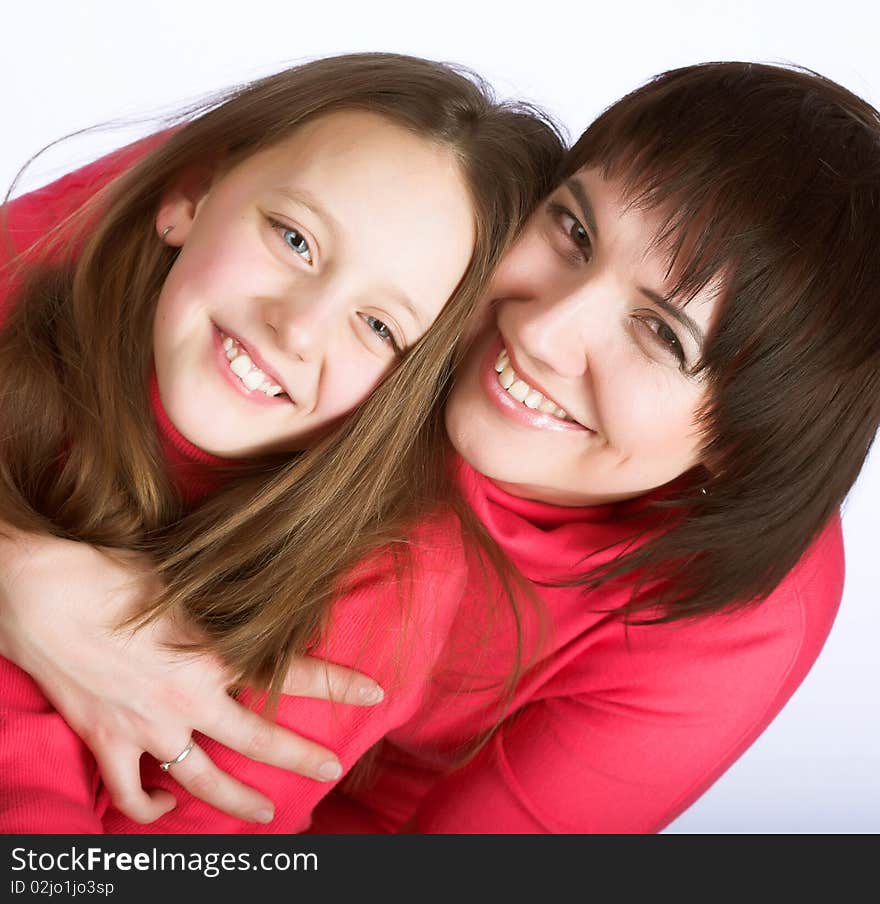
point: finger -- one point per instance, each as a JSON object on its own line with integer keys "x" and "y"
{"x": 204, "y": 780}
{"x": 241, "y": 729}
{"x": 310, "y": 677}
{"x": 121, "y": 774}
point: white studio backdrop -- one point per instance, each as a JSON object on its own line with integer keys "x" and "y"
{"x": 68, "y": 66}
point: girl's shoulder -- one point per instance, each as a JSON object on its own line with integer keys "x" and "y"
{"x": 29, "y": 216}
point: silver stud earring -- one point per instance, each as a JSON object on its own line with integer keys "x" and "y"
{"x": 165, "y": 232}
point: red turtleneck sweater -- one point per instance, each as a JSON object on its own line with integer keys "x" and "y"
{"x": 610, "y": 730}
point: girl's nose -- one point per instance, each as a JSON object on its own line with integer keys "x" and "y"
{"x": 303, "y": 330}
{"x": 300, "y": 327}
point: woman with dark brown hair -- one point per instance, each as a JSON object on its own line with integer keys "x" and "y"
{"x": 672, "y": 391}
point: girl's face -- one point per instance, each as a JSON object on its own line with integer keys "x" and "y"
{"x": 579, "y": 391}
{"x": 305, "y": 272}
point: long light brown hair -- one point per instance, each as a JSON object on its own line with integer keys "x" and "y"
{"x": 256, "y": 565}
{"x": 770, "y": 177}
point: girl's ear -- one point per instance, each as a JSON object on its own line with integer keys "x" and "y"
{"x": 180, "y": 204}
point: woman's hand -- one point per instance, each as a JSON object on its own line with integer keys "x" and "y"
{"x": 124, "y": 693}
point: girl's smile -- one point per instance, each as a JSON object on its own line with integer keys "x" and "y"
{"x": 305, "y": 273}
{"x": 239, "y": 364}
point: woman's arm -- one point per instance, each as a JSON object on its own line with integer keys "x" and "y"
{"x": 393, "y": 630}
{"x": 126, "y": 693}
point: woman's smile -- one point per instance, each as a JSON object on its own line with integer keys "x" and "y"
{"x": 517, "y": 398}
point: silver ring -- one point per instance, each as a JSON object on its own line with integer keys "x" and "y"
{"x": 165, "y": 231}
{"x": 179, "y": 758}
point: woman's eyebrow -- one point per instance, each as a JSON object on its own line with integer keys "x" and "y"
{"x": 676, "y": 312}
{"x": 580, "y": 195}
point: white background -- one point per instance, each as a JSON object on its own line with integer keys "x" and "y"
{"x": 65, "y": 66}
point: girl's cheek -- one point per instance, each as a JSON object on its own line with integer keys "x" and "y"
{"x": 356, "y": 378}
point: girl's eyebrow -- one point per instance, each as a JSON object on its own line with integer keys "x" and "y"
{"x": 580, "y": 195}
{"x": 307, "y": 200}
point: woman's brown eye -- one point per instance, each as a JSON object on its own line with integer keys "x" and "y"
{"x": 579, "y": 234}
{"x": 667, "y": 336}
{"x": 575, "y": 229}
{"x": 568, "y": 229}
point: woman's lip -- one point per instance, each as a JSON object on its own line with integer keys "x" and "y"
{"x": 510, "y": 407}
{"x": 254, "y": 395}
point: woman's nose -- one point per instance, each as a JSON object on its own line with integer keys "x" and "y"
{"x": 551, "y": 331}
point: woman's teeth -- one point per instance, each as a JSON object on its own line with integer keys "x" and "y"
{"x": 245, "y": 369}
{"x": 522, "y": 392}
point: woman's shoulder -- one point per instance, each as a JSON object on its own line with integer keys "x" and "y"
{"x": 767, "y": 643}
{"x": 811, "y": 592}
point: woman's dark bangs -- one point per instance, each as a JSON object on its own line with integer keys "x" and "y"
{"x": 702, "y": 227}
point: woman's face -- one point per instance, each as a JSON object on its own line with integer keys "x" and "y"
{"x": 304, "y": 273}
{"x": 579, "y": 392}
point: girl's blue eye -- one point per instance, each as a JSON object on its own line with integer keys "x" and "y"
{"x": 382, "y": 330}
{"x": 298, "y": 243}
{"x": 295, "y": 240}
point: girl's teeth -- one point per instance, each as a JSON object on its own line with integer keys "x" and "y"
{"x": 254, "y": 379}
{"x": 242, "y": 366}
{"x": 519, "y": 390}
{"x": 270, "y": 388}
{"x": 522, "y": 392}
{"x": 533, "y": 399}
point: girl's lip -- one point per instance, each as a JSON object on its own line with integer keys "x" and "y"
{"x": 510, "y": 407}
{"x": 254, "y": 395}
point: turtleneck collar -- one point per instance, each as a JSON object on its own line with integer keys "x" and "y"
{"x": 193, "y": 471}
{"x": 551, "y": 542}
